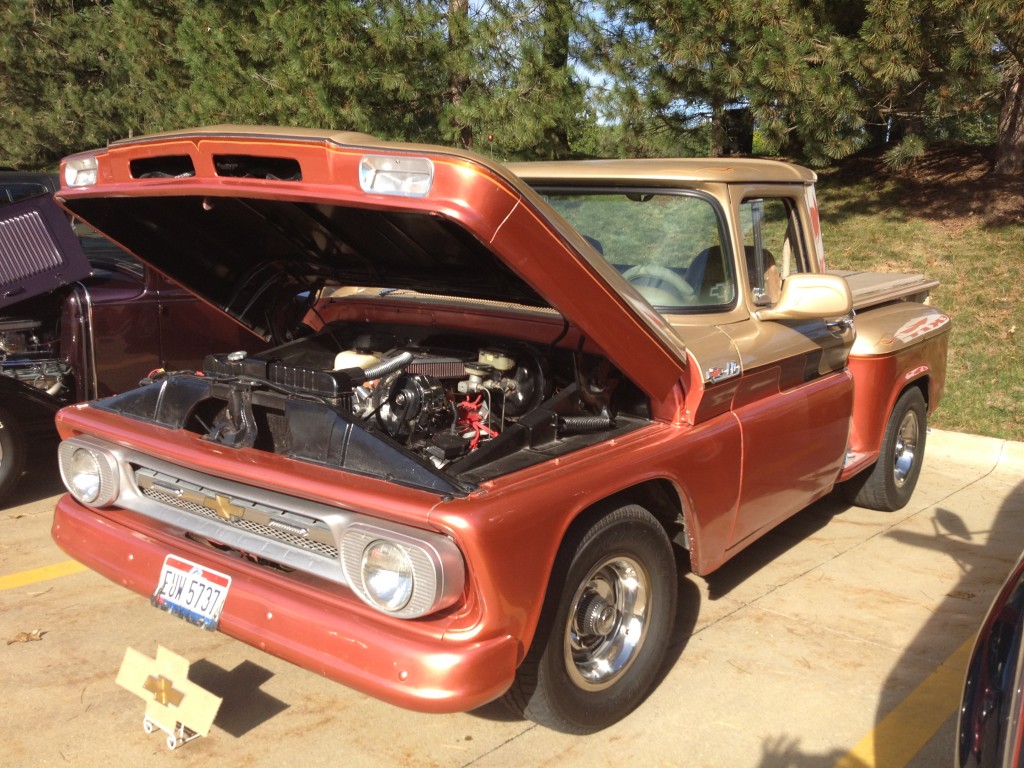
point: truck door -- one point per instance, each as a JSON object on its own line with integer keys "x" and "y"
{"x": 795, "y": 397}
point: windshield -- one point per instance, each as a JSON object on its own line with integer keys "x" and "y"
{"x": 668, "y": 245}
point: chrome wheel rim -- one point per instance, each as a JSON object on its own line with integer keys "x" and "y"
{"x": 906, "y": 448}
{"x": 607, "y": 623}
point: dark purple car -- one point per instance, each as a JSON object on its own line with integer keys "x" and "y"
{"x": 80, "y": 318}
{"x": 991, "y": 724}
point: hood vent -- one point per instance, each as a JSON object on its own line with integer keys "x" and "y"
{"x": 38, "y": 250}
{"x": 253, "y": 167}
{"x": 163, "y": 167}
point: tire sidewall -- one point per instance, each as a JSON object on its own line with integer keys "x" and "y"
{"x": 12, "y": 457}
{"x": 910, "y": 401}
{"x": 632, "y": 532}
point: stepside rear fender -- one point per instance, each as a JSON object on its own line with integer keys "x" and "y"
{"x": 898, "y": 346}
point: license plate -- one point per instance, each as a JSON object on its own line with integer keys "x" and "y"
{"x": 192, "y": 591}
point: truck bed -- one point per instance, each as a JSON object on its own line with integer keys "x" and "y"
{"x": 873, "y": 288}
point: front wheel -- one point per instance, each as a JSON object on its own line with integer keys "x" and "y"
{"x": 605, "y": 629}
{"x": 888, "y": 485}
{"x": 12, "y": 453}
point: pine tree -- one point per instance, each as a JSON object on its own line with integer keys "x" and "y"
{"x": 993, "y": 33}
{"x": 702, "y": 62}
{"x": 54, "y": 66}
{"x": 522, "y": 93}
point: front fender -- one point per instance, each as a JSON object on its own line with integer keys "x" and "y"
{"x": 33, "y": 409}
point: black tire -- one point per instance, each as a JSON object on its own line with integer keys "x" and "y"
{"x": 620, "y": 568}
{"x": 12, "y": 454}
{"x": 888, "y": 485}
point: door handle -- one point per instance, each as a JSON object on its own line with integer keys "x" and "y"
{"x": 840, "y": 324}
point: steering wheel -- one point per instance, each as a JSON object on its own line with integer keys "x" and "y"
{"x": 660, "y": 282}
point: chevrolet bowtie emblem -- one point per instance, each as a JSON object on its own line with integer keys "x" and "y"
{"x": 222, "y": 507}
{"x": 163, "y": 690}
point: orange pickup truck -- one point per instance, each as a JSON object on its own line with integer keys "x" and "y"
{"x": 504, "y": 407}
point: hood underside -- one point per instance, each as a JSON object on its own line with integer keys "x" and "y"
{"x": 250, "y": 255}
{"x": 257, "y": 221}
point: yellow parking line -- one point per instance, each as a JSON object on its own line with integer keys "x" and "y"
{"x": 904, "y": 732}
{"x": 45, "y": 573}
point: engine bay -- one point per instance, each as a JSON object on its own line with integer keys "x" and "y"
{"x": 29, "y": 353}
{"x": 420, "y": 406}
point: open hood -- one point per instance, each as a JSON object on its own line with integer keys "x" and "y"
{"x": 39, "y": 250}
{"x": 248, "y": 254}
{"x": 251, "y": 218}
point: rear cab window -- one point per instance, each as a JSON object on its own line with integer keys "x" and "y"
{"x": 11, "y": 192}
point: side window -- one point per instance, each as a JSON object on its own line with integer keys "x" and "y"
{"x": 771, "y": 246}
{"x": 12, "y": 192}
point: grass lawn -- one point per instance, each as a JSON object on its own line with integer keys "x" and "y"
{"x": 948, "y": 219}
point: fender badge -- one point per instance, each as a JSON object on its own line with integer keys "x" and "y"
{"x": 715, "y": 375}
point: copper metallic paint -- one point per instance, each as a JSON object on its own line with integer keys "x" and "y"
{"x": 880, "y": 383}
{"x": 736, "y": 457}
{"x": 331, "y": 635}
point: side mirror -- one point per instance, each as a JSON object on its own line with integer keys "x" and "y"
{"x": 807, "y": 296}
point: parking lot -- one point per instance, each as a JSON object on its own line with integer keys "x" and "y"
{"x": 838, "y": 640}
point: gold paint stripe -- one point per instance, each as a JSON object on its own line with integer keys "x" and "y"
{"x": 910, "y": 726}
{"x": 45, "y": 573}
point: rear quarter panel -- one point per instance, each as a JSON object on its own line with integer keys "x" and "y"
{"x": 898, "y": 346}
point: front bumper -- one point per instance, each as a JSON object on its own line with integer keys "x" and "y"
{"x": 389, "y": 660}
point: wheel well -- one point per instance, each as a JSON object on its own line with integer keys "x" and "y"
{"x": 659, "y": 497}
{"x": 924, "y": 384}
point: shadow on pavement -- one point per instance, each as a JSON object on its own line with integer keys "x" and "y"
{"x": 244, "y": 705}
{"x": 774, "y": 544}
{"x": 968, "y": 549}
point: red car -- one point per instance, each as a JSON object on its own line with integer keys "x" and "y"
{"x": 509, "y": 391}
{"x": 990, "y": 732}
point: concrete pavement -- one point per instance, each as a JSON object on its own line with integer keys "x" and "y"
{"x": 831, "y": 642}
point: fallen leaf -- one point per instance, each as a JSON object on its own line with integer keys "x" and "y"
{"x": 960, "y": 594}
{"x": 26, "y": 637}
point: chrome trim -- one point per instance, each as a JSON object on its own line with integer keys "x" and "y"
{"x": 106, "y": 464}
{"x": 438, "y": 572}
{"x": 90, "y": 377}
{"x": 269, "y": 522}
{"x": 298, "y": 534}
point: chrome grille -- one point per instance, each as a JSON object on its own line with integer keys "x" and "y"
{"x": 326, "y": 550}
{"x": 251, "y": 517}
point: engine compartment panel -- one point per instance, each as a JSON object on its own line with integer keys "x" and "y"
{"x": 425, "y": 407}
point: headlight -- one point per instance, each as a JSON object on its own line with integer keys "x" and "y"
{"x": 84, "y": 475}
{"x": 81, "y": 171}
{"x": 387, "y": 575}
{"x": 402, "y": 571}
{"x": 88, "y": 472}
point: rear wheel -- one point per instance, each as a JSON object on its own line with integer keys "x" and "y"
{"x": 606, "y": 626}
{"x": 12, "y": 454}
{"x": 888, "y": 485}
